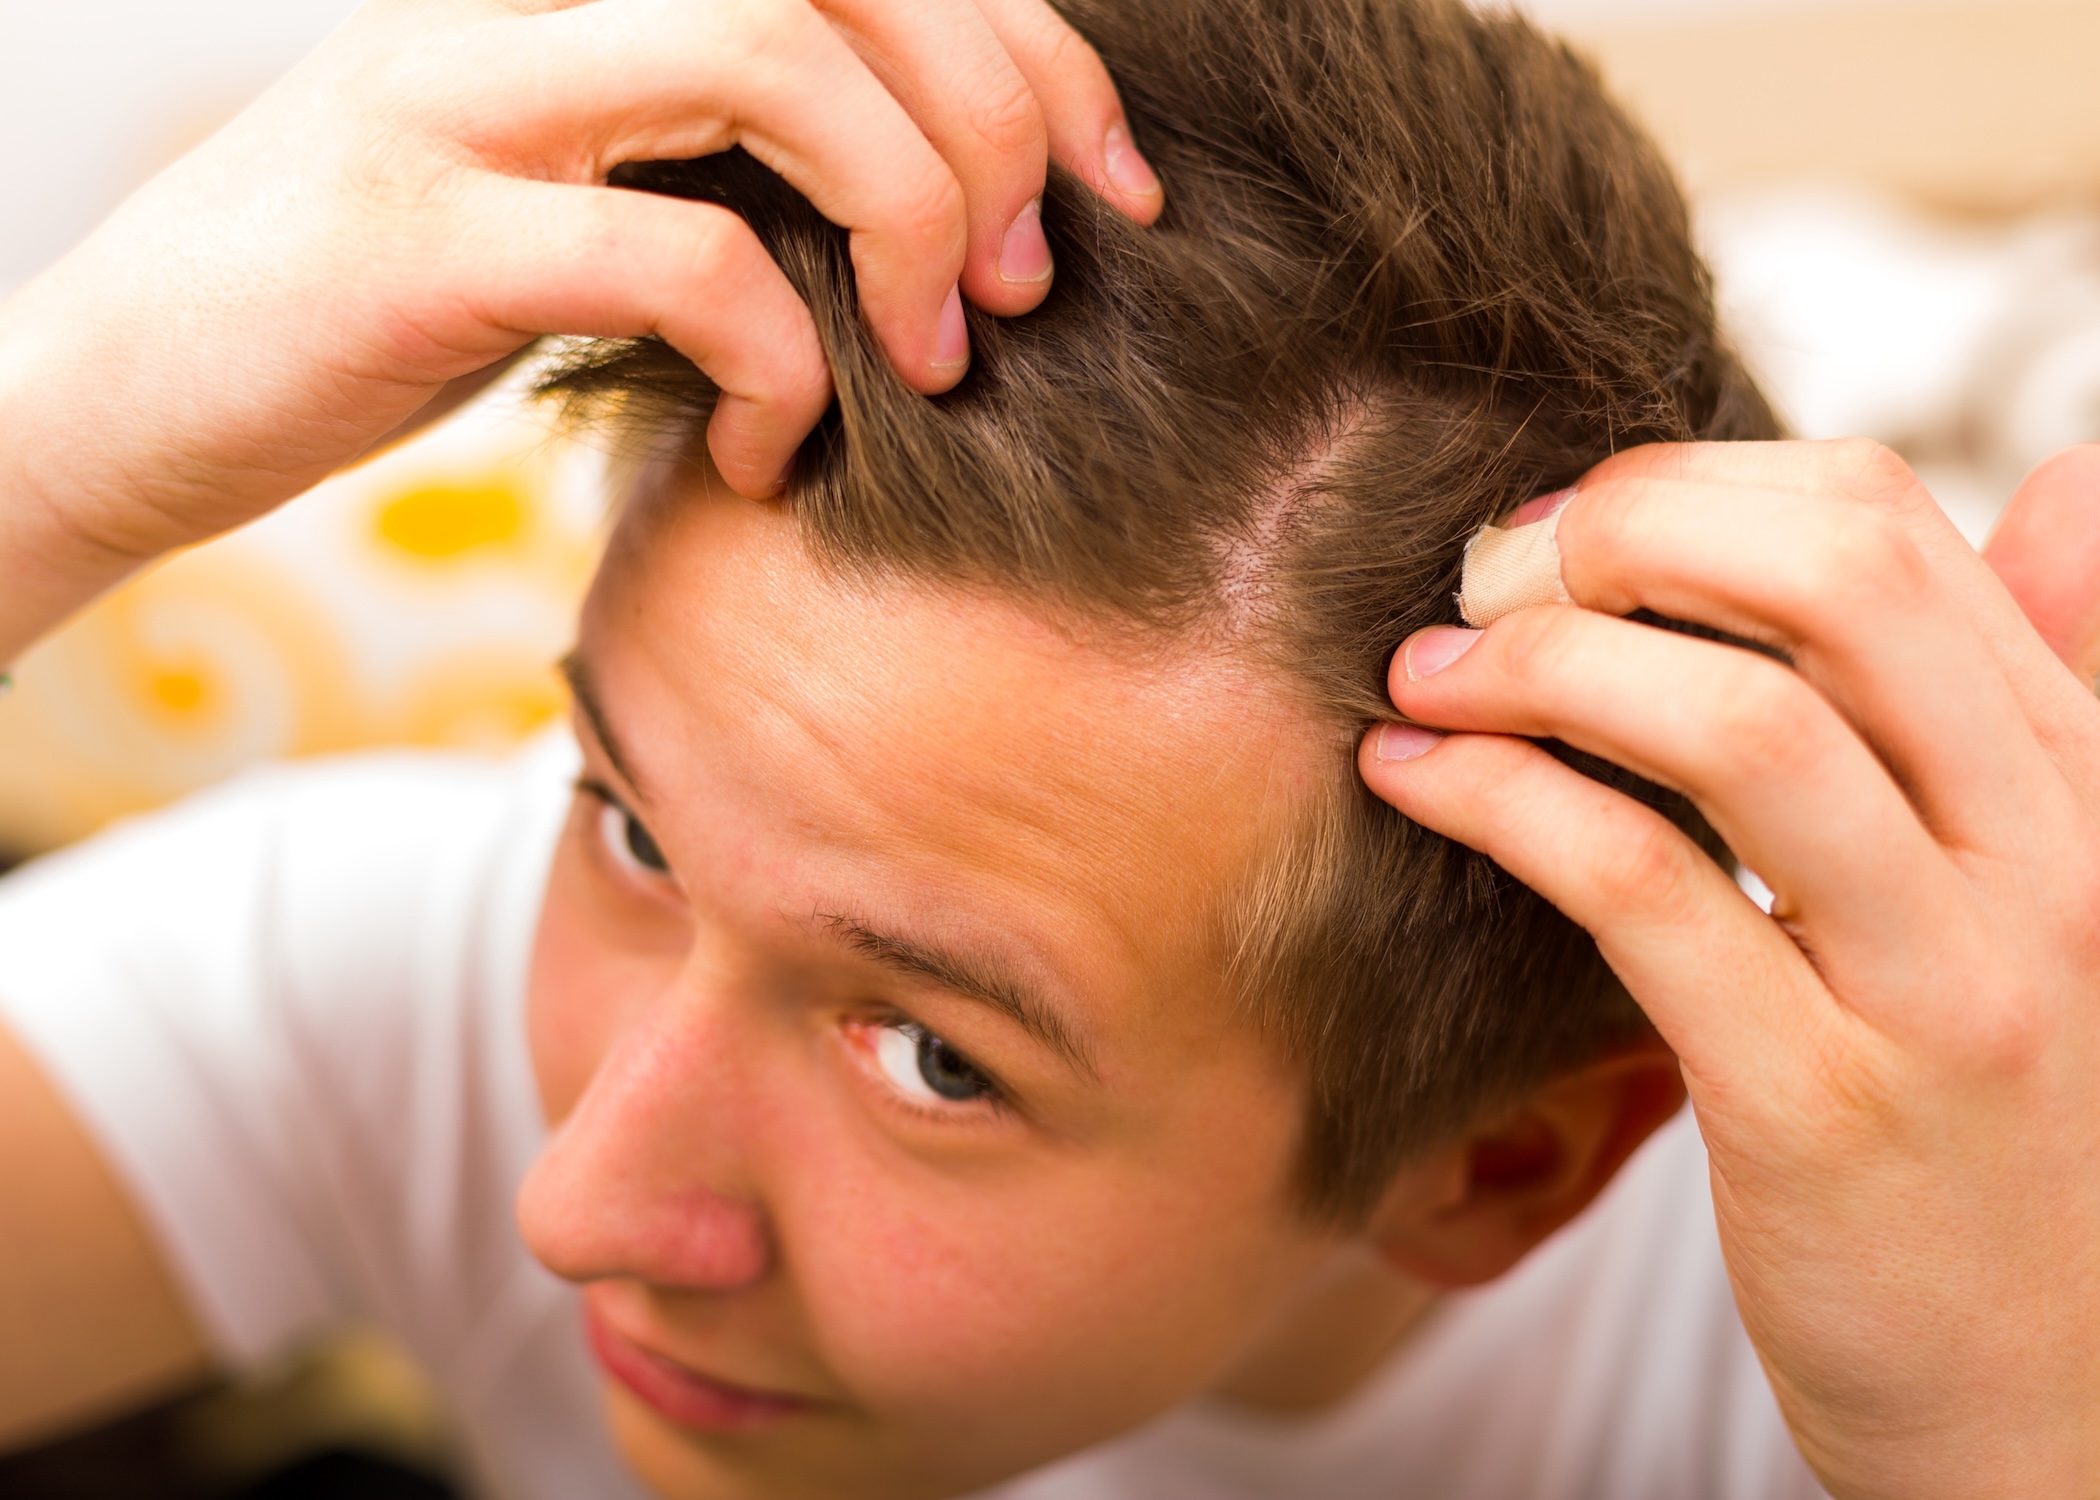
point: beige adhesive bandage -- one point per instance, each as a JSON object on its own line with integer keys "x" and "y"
{"x": 1508, "y": 569}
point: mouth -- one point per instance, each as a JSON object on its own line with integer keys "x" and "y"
{"x": 683, "y": 1396}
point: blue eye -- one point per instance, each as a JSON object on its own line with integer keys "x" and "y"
{"x": 642, "y": 845}
{"x": 623, "y": 835}
{"x": 923, "y": 1066}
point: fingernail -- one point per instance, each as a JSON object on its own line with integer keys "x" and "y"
{"x": 952, "y": 351}
{"x": 1428, "y": 652}
{"x": 1405, "y": 742}
{"x": 1541, "y": 508}
{"x": 1127, "y": 171}
{"x": 1024, "y": 255}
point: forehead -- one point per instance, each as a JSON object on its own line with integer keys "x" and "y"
{"x": 950, "y": 756}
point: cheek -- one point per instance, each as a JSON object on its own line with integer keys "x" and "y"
{"x": 1043, "y": 1314}
{"x": 592, "y": 970}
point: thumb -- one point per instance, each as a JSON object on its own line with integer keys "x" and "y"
{"x": 2046, "y": 550}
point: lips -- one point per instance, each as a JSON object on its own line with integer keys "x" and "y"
{"x": 685, "y": 1396}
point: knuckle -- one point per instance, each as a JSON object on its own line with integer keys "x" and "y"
{"x": 1006, "y": 117}
{"x": 2007, "y": 1033}
{"x": 1645, "y": 873}
{"x": 746, "y": 38}
{"x": 1854, "y": 1085}
{"x": 415, "y": 82}
{"x": 929, "y": 207}
{"x": 1070, "y": 68}
{"x": 1766, "y": 725}
{"x": 1864, "y": 557}
{"x": 1870, "y": 471}
{"x": 668, "y": 251}
{"x": 1535, "y": 645}
{"x": 715, "y": 244}
{"x": 1064, "y": 54}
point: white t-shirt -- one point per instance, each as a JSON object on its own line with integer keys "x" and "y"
{"x": 292, "y": 1012}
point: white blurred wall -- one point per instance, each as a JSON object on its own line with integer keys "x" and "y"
{"x": 96, "y": 94}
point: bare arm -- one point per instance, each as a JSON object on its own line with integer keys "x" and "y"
{"x": 426, "y": 194}
{"x": 94, "y": 1322}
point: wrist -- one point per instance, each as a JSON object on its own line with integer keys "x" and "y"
{"x": 2014, "y": 1454}
{"x": 54, "y": 556}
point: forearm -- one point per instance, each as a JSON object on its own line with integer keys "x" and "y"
{"x": 77, "y": 507}
{"x": 93, "y": 1321}
{"x": 136, "y": 417}
{"x": 49, "y": 565}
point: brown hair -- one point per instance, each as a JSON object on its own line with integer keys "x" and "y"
{"x": 1414, "y": 269}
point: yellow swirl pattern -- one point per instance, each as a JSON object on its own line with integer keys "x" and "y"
{"x": 419, "y": 599}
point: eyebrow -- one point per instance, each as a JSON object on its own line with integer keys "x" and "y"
{"x": 583, "y": 687}
{"x": 972, "y": 979}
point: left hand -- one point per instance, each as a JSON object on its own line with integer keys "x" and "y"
{"x": 1897, "y": 1073}
{"x": 428, "y": 192}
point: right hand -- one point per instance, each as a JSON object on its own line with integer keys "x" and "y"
{"x": 1897, "y": 1071}
{"x": 425, "y": 194}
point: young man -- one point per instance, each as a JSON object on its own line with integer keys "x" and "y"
{"x": 969, "y": 1005}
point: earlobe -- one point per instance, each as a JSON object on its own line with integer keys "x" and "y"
{"x": 1470, "y": 1211}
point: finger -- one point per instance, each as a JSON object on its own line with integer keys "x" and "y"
{"x": 553, "y": 258}
{"x": 447, "y": 399}
{"x": 1089, "y": 133}
{"x": 640, "y": 79}
{"x": 1845, "y": 592}
{"x": 954, "y": 77}
{"x": 1686, "y": 942}
{"x": 1783, "y": 779}
{"x": 1866, "y": 475}
{"x": 2046, "y": 548}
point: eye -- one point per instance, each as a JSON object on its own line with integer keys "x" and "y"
{"x": 628, "y": 841}
{"x": 926, "y": 1068}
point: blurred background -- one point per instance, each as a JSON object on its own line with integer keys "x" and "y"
{"x": 1900, "y": 199}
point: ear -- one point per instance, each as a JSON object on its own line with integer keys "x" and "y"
{"x": 1473, "y": 1209}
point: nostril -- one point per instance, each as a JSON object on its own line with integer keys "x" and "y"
{"x": 588, "y": 1225}
{"x": 703, "y": 1241}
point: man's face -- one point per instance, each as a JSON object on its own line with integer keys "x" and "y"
{"x": 906, "y": 1134}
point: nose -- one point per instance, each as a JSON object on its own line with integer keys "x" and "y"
{"x": 640, "y": 1180}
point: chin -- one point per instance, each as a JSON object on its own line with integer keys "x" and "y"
{"x": 798, "y": 1463}
{"x": 678, "y": 1464}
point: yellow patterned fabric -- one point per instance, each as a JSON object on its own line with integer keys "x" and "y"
{"x": 420, "y": 599}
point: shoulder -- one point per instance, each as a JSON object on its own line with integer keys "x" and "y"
{"x": 324, "y": 931}
{"x": 355, "y": 854}
{"x": 290, "y": 1010}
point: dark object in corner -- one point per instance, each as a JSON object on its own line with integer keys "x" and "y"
{"x": 347, "y": 1421}
{"x": 348, "y": 1476}
{"x": 144, "y": 1458}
